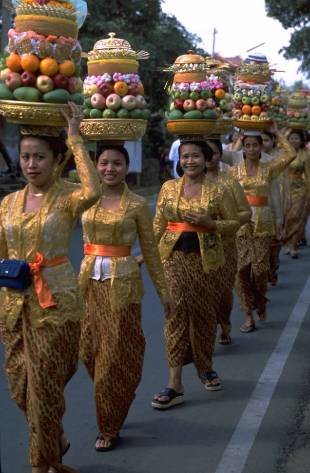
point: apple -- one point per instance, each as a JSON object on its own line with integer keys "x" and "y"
{"x": 223, "y": 104}
{"x": 205, "y": 94}
{"x": 255, "y": 100}
{"x": 194, "y": 95}
{"x": 109, "y": 113}
{"x": 210, "y": 103}
{"x": 98, "y": 101}
{"x": 129, "y": 102}
{"x": 133, "y": 89}
{"x": 44, "y": 84}
{"x": 13, "y": 80}
{"x": 75, "y": 84}
{"x": 60, "y": 82}
{"x": 237, "y": 113}
{"x": 122, "y": 113}
{"x": 265, "y": 98}
{"x": 141, "y": 102}
{"x": 95, "y": 113}
{"x": 86, "y": 113}
{"x": 178, "y": 104}
{"x": 265, "y": 106}
{"x": 87, "y": 102}
{"x": 113, "y": 101}
{"x": 184, "y": 94}
{"x": 105, "y": 88}
{"x": 188, "y": 105}
{"x": 90, "y": 90}
{"x": 28, "y": 79}
{"x": 246, "y": 100}
{"x": 237, "y": 97}
{"x": 201, "y": 104}
{"x": 263, "y": 116}
{"x": 4, "y": 73}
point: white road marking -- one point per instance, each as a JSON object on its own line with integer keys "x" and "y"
{"x": 243, "y": 438}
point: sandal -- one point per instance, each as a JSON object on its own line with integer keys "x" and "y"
{"x": 112, "y": 443}
{"x": 261, "y": 316}
{"x": 65, "y": 450}
{"x": 224, "y": 339}
{"x": 212, "y": 381}
{"x": 174, "y": 398}
{"x": 247, "y": 328}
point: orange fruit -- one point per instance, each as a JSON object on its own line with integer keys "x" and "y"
{"x": 67, "y": 68}
{"x": 219, "y": 93}
{"x": 49, "y": 67}
{"x": 246, "y": 109}
{"x": 30, "y": 63}
{"x": 256, "y": 110}
{"x": 13, "y": 62}
{"x": 120, "y": 88}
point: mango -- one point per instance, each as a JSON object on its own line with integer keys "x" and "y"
{"x": 77, "y": 98}
{"x": 175, "y": 115}
{"x": 193, "y": 115}
{"x": 5, "y": 93}
{"x": 27, "y": 94}
{"x": 57, "y": 96}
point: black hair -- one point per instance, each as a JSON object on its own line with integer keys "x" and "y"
{"x": 272, "y": 136}
{"x": 56, "y": 144}
{"x": 121, "y": 149}
{"x": 204, "y": 147}
{"x": 301, "y": 135}
{"x": 258, "y": 137}
{"x": 218, "y": 144}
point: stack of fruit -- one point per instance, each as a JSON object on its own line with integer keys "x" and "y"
{"x": 43, "y": 66}
{"x": 252, "y": 97}
{"x": 298, "y": 110}
{"x": 278, "y": 109}
{"x": 113, "y": 91}
{"x": 199, "y": 99}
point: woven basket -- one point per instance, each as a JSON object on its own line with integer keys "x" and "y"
{"x": 33, "y": 113}
{"x": 46, "y": 25}
{"x": 298, "y": 125}
{"x": 199, "y": 127}
{"x": 113, "y": 129}
{"x": 100, "y": 67}
{"x": 253, "y": 125}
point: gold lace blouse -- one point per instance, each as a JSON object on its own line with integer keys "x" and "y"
{"x": 171, "y": 206}
{"x": 122, "y": 227}
{"x": 48, "y": 231}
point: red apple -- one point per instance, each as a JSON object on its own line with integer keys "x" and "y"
{"x": 141, "y": 102}
{"x": 129, "y": 102}
{"x": 28, "y": 79}
{"x": 98, "y": 101}
{"x": 4, "y": 73}
{"x": 60, "y": 82}
{"x": 133, "y": 89}
{"x": 75, "y": 84}
{"x": 178, "y": 104}
{"x": 201, "y": 104}
{"x": 188, "y": 105}
{"x": 105, "y": 88}
{"x": 44, "y": 84}
{"x": 210, "y": 103}
{"x": 13, "y": 80}
{"x": 113, "y": 101}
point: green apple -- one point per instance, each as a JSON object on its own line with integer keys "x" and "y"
{"x": 184, "y": 95}
{"x": 86, "y": 113}
{"x": 223, "y": 104}
{"x": 87, "y": 103}
{"x": 95, "y": 113}
{"x": 108, "y": 113}
{"x": 205, "y": 94}
{"x": 122, "y": 113}
{"x": 194, "y": 95}
{"x": 265, "y": 98}
{"x": 136, "y": 113}
{"x": 237, "y": 97}
{"x": 255, "y": 100}
{"x": 246, "y": 100}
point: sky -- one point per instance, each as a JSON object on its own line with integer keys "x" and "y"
{"x": 240, "y": 25}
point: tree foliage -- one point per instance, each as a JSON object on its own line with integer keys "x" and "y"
{"x": 294, "y": 14}
{"x": 146, "y": 27}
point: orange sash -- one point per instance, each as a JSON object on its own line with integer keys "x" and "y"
{"x": 107, "y": 250}
{"x": 179, "y": 227}
{"x": 257, "y": 200}
{"x": 296, "y": 176}
{"x": 43, "y": 292}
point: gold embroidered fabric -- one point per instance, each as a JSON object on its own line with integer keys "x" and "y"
{"x": 259, "y": 185}
{"x": 300, "y": 167}
{"x": 171, "y": 206}
{"x": 122, "y": 227}
{"x": 237, "y": 197}
{"x": 49, "y": 231}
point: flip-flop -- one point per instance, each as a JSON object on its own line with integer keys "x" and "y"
{"x": 212, "y": 381}
{"x": 224, "y": 340}
{"x": 174, "y": 399}
{"x": 247, "y": 328}
{"x": 113, "y": 443}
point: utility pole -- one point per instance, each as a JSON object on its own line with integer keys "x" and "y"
{"x": 213, "y": 43}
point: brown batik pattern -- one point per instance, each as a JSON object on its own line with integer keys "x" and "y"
{"x": 193, "y": 322}
{"x": 253, "y": 269}
{"x": 39, "y": 362}
{"x": 112, "y": 349}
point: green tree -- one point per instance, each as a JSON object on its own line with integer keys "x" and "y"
{"x": 294, "y": 14}
{"x": 147, "y": 27}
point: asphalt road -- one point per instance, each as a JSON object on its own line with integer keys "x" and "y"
{"x": 259, "y": 422}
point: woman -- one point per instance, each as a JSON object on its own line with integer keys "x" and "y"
{"x": 112, "y": 341}
{"x": 253, "y": 239}
{"x": 299, "y": 185}
{"x": 40, "y": 327}
{"x": 191, "y": 216}
{"x": 217, "y": 171}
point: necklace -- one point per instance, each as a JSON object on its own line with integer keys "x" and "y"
{"x": 39, "y": 194}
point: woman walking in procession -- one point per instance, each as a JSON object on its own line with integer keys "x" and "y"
{"x": 40, "y": 326}
{"x": 191, "y": 216}
{"x": 112, "y": 341}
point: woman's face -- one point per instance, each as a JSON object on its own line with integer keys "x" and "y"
{"x": 295, "y": 140}
{"x": 267, "y": 142}
{"x": 192, "y": 160}
{"x": 252, "y": 148}
{"x": 37, "y": 161}
{"x": 213, "y": 164}
{"x": 112, "y": 167}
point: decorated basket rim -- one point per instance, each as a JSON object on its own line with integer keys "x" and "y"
{"x": 123, "y": 129}
{"x": 33, "y": 113}
{"x": 199, "y": 126}
{"x": 252, "y": 124}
